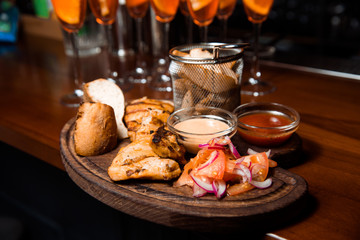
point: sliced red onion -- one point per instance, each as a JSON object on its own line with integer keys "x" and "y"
{"x": 211, "y": 159}
{"x": 198, "y": 191}
{"x": 219, "y": 187}
{"x": 239, "y": 160}
{"x": 213, "y": 141}
{"x": 241, "y": 173}
{"x": 233, "y": 150}
{"x": 222, "y": 141}
{"x": 252, "y": 152}
{"x": 220, "y": 144}
{"x": 203, "y": 183}
{"x": 265, "y": 184}
{"x": 247, "y": 177}
{"x": 268, "y": 153}
{"x": 203, "y": 145}
{"x": 216, "y": 147}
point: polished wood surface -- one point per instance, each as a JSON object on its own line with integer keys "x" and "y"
{"x": 34, "y": 74}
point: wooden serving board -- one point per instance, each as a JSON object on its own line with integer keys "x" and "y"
{"x": 161, "y": 203}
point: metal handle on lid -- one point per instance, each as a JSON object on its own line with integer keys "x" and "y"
{"x": 227, "y": 46}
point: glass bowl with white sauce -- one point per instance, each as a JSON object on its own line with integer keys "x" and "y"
{"x": 198, "y": 125}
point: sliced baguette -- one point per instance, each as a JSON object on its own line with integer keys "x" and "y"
{"x": 95, "y": 129}
{"x": 107, "y": 92}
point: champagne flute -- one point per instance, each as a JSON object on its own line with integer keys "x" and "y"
{"x": 165, "y": 11}
{"x": 105, "y": 14}
{"x": 189, "y": 23}
{"x": 225, "y": 10}
{"x": 203, "y": 13}
{"x": 137, "y": 10}
{"x": 257, "y": 12}
{"x": 71, "y": 15}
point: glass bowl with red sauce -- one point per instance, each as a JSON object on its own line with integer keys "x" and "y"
{"x": 266, "y": 124}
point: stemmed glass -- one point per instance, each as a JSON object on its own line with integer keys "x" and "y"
{"x": 105, "y": 14}
{"x": 137, "y": 10}
{"x": 165, "y": 11}
{"x": 257, "y": 12}
{"x": 225, "y": 10}
{"x": 189, "y": 23}
{"x": 71, "y": 15}
{"x": 203, "y": 13}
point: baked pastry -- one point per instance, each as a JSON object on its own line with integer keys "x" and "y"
{"x": 107, "y": 92}
{"x": 95, "y": 129}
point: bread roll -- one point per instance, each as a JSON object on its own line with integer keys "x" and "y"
{"x": 107, "y": 92}
{"x": 95, "y": 129}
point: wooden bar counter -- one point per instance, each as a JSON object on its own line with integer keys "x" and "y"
{"x": 35, "y": 73}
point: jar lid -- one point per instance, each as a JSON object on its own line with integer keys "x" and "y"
{"x": 221, "y": 52}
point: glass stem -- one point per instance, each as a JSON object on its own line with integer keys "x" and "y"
{"x": 189, "y": 25}
{"x": 204, "y": 34}
{"x": 255, "y": 69}
{"x": 140, "y": 43}
{"x": 109, "y": 39}
{"x": 224, "y": 29}
{"x": 139, "y": 35}
{"x": 77, "y": 71}
{"x": 165, "y": 42}
{"x": 108, "y": 32}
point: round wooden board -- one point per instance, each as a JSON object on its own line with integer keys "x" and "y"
{"x": 161, "y": 203}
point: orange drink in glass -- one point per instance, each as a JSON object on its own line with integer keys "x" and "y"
{"x": 137, "y": 9}
{"x": 71, "y": 15}
{"x": 203, "y": 13}
{"x": 226, "y": 8}
{"x": 257, "y": 11}
{"x": 104, "y": 10}
{"x": 165, "y": 10}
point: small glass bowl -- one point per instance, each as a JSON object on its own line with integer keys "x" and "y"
{"x": 267, "y": 136}
{"x": 202, "y": 130}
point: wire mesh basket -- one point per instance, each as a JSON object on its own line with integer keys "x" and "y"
{"x": 207, "y": 74}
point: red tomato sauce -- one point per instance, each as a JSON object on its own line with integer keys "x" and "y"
{"x": 261, "y": 136}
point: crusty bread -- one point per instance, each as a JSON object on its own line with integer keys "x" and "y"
{"x": 95, "y": 129}
{"x": 107, "y": 92}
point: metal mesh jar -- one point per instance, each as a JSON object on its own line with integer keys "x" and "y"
{"x": 207, "y": 74}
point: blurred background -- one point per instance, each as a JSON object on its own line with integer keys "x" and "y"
{"x": 321, "y": 34}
